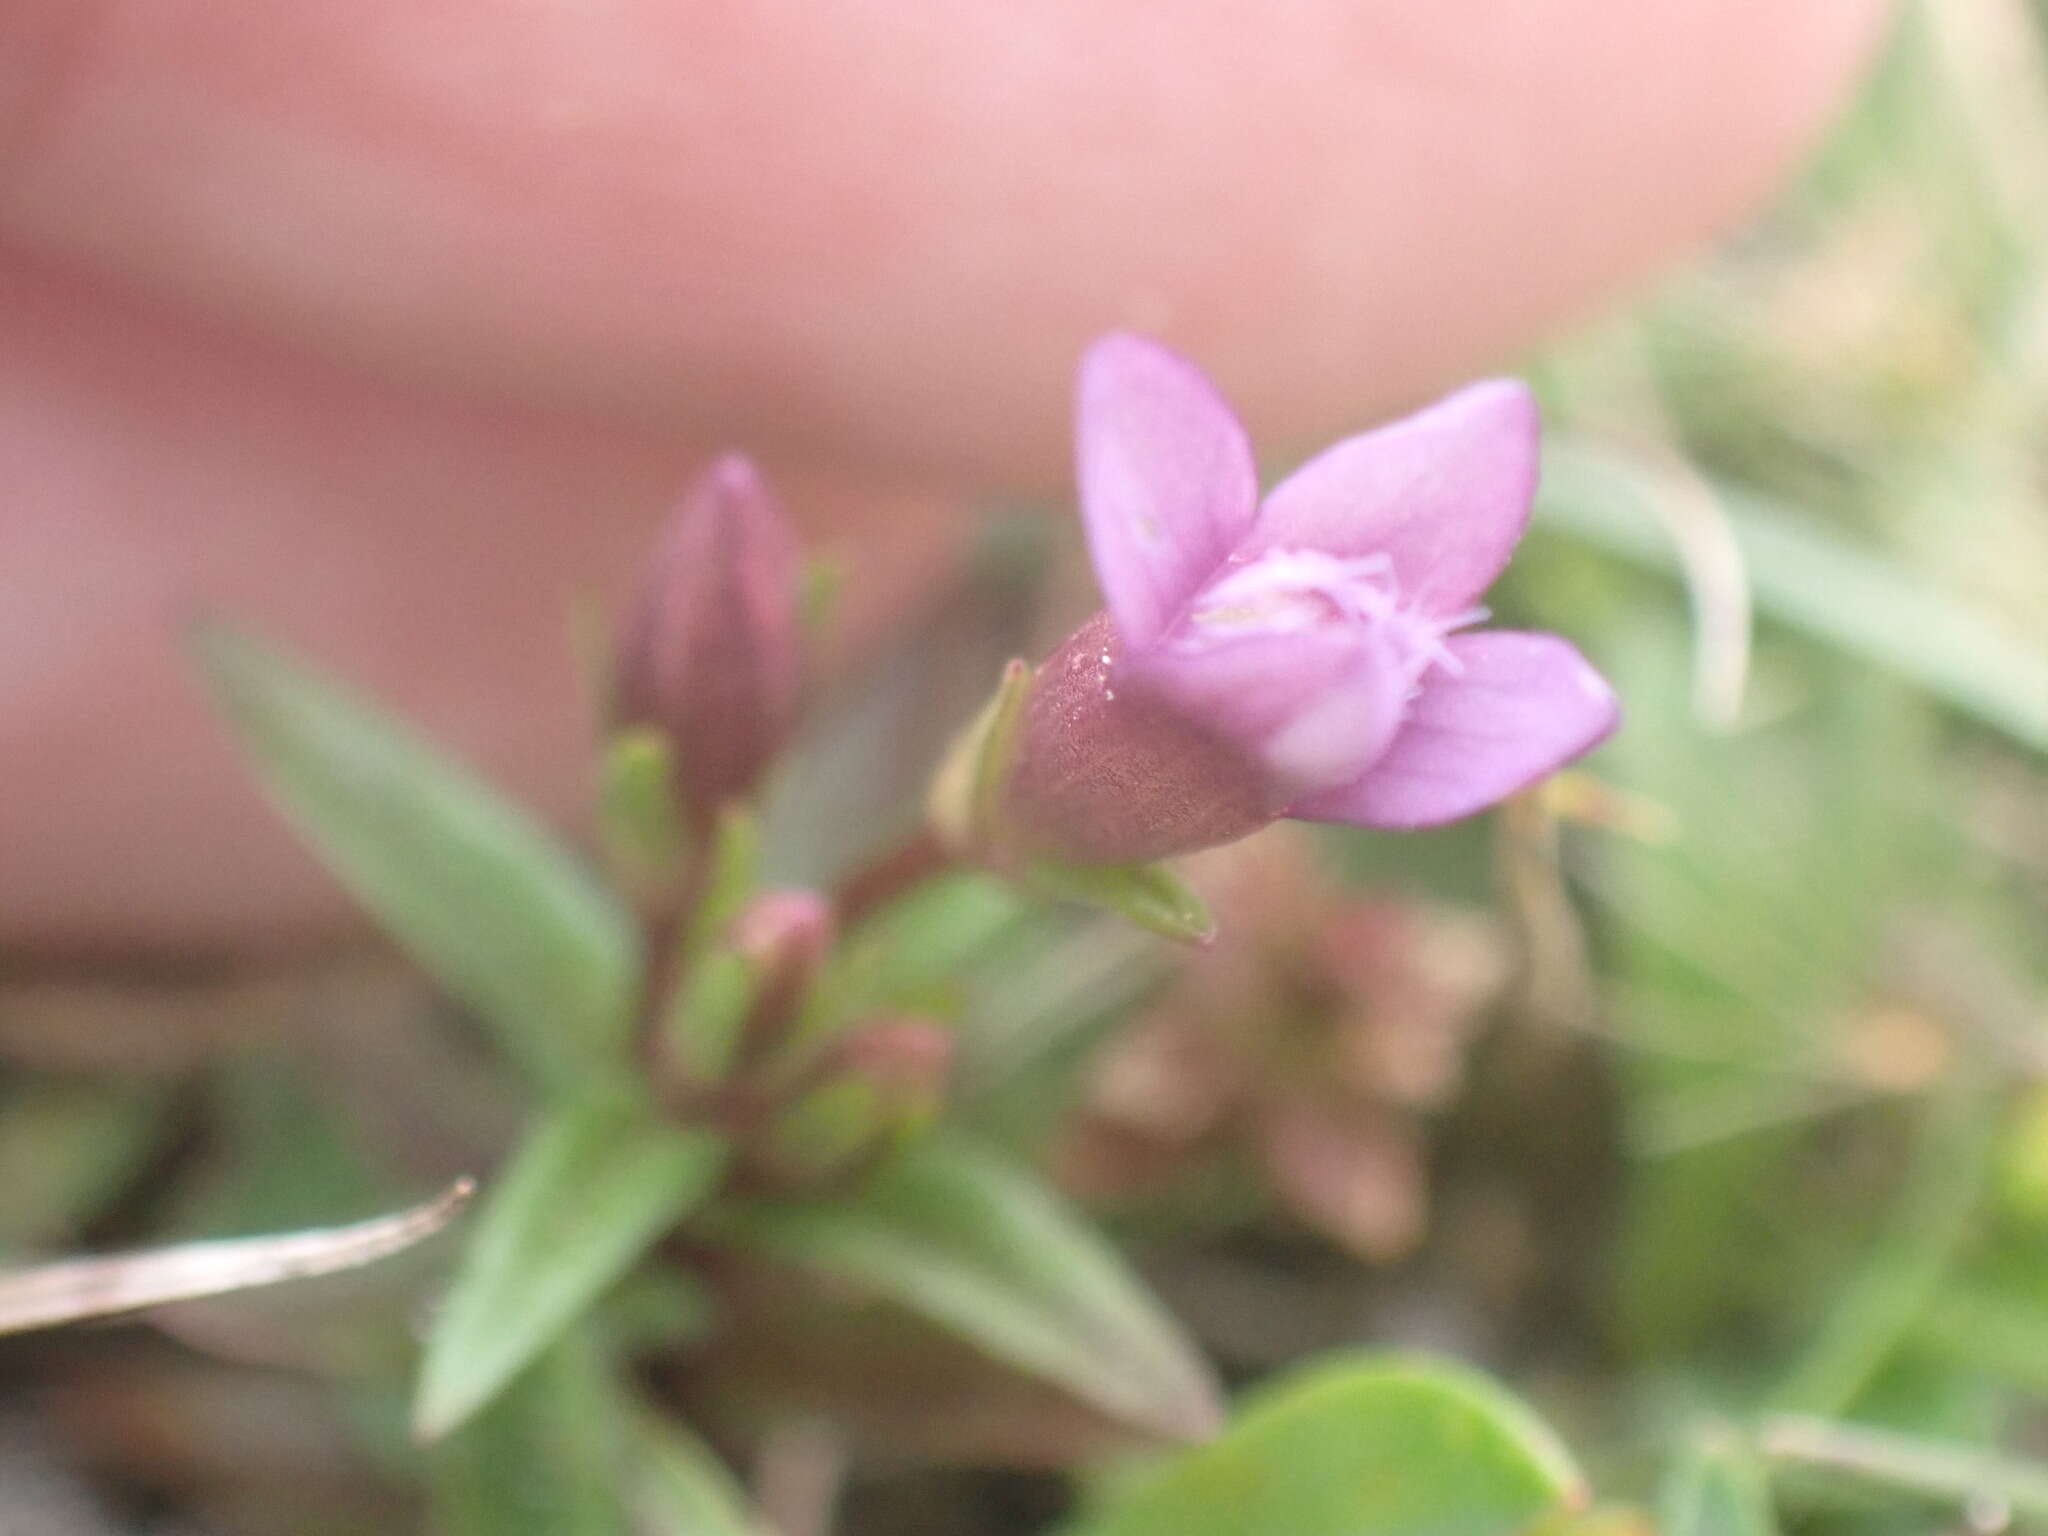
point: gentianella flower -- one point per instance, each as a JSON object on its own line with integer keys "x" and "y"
{"x": 1312, "y": 654}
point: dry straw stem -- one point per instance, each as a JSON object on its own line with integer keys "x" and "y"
{"x": 76, "y": 1289}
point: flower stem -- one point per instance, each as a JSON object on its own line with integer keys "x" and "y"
{"x": 910, "y": 863}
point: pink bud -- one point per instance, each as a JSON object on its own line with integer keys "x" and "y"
{"x": 875, "y": 1084}
{"x": 711, "y": 653}
{"x": 906, "y": 1060}
{"x": 785, "y": 937}
{"x": 784, "y": 930}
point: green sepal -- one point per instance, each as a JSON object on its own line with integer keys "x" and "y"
{"x": 965, "y": 804}
{"x": 708, "y": 1013}
{"x": 715, "y": 988}
{"x": 1150, "y": 895}
{"x": 644, "y": 835}
{"x": 731, "y": 875}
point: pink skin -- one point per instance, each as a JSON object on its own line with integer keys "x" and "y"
{"x": 385, "y": 326}
{"x": 1299, "y": 656}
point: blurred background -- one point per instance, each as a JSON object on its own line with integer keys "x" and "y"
{"x": 1709, "y": 1076}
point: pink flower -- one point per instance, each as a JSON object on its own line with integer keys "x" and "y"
{"x": 711, "y": 654}
{"x": 1311, "y": 655}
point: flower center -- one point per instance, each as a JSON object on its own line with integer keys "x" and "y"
{"x": 1294, "y": 591}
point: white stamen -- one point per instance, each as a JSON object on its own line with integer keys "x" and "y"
{"x": 1291, "y": 591}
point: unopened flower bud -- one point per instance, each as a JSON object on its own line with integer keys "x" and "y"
{"x": 785, "y": 937}
{"x": 784, "y": 930}
{"x": 711, "y": 653}
{"x": 882, "y": 1081}
{"x": 743, "y": 994}
{"x": 906, "y": 1060}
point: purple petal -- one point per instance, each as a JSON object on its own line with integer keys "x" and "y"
{"x": 1166, "y": 479}
{"x": 1315, "y": 708}
{"x": 1444, "y": 494}
{"x": 1523, "y": 705}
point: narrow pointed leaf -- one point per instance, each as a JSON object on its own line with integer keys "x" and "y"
{"x": 546, "y": 1459}
{"x": 478, "y": 892}
{"x": 986, "y": 1251}
{"x": 104, "y": 1286}
{"x": 1358, "y": 1447}
{"x": 643, "y": 828}
{"x": 914, "y": 953}
{"x": 682, "y": 1489}
{"x": 585, "y": 1195}
{"x": 708, "y": 1012}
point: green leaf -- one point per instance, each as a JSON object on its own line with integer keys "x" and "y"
{"x": 708, "y": 1013}
{"x": 590, "y": 1189}
{"x": 681, "y": 1488}
{"x": 1718, "y": 1489}
{"x": 1031, "y": 1024}
{"x": 910, "y": 955}
{"x": 545, "y": 1460}
{"x": 1610, "y": 1520}
{"x": 1964, "y": 1474}
{"x": 484, "y": 899}
{"x": 985, "y": 1250}
{"x": 1358, "y": 1447}
{"x": 1150, "y": 895}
